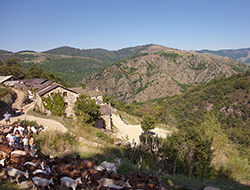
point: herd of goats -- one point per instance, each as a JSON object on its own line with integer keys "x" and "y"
{"x": 67, "y": 172}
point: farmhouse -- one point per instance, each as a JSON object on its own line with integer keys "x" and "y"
{"x": 69, "y": 97}
{"x": 105, "y": 121}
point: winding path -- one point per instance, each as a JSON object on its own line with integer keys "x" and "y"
{"x": 132, "y": 132}
{"x": 52, "y": 124}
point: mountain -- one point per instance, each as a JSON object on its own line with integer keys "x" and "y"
{"x": 71, "y": 64}
{"x": 242, "y": 55}
{"x": 100, "y": 54}
{"x": 159, "y": 72}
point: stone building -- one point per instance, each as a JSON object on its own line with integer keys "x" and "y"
{"x": 69, "y": 97}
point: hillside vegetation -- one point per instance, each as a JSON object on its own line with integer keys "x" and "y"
{"x": 219, "y": 109}
{"x": 159, "y": 73}
{"x": 71, "y": 64}
{"x": 13, "y": 67}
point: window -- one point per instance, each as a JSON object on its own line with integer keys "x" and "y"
{"x": 66, "y": 104}
{"x": 64, "y": 93}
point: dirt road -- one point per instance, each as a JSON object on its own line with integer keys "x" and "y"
{"x": 132, "y": 132}
{"x": 52, "y": 124}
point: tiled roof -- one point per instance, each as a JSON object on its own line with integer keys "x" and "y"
{"x": 4, "y": 78}
{"x": 105, "y": 110}
{"x": 47, "y": 89}
{"x": 52, "y": 87}
{"x": 91, "y": 93}
{"x": 36, "y": 83}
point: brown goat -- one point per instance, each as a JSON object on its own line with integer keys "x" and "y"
{"x": 68, "y": 159}
{"x": 41, "y": 155}
{"x": 13, "y": 164}
{"x": 58, "y": 160}
{"x": 95, "y": 175}
{"x": 31, "y": 168}
{"x": 86, "y": 164}
{"x": 6, "y": 148}
{"x": 21, "y": 159}
{"x": 146, "y": 186}
{"x": 72, "y": 174}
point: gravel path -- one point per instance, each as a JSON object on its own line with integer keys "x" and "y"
{"x": 52, "y": 124}
{"x": 132, "y": 132}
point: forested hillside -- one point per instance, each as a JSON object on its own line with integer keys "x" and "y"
{"x": 100, "y": 54}
{"x": 71, "y": 64}
{"x": 13, "y": 67}
{"x": 218, "y": 112}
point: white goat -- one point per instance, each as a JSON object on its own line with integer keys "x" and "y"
{"x": 13, "y": 172}
{"x": 68, "y": 182}
{"x": 111, "y": 167}
{"x": 42, "y": 182}
{"x": 2, "y": 162}
{"x": 111, "y": 183}
{"x": 42, "y": 129}
{"x": 31, "y": 163}
{"x": 99, "y": 168}
{"x": 47, "y": 171}
{"x": 33, "y": 129}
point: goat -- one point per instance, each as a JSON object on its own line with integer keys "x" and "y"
{"x": 70, "y": 166}
{"x": 106, "y": 181}
{"x": 47, "y": 176}
{"x": 13, "y": 172}
{"x": 68, "y": 159}
{"x": 111, "y": 167}
{"x": 15, "y": 165}
{"x": 111, "y": 183}
{"x": 95, "y": 175}
{"x": 58, "y": 160}
{"x": 34, "y": 129}
{"x": 21, "y": 159}
{"x": 47, "y": 171}
{"x": 144, "y": 177}
{"x": 68, "y": 182}
{"x": 2, "y": 154}
{"x": 42, "y": 182}
{"x": 31, "y": 167}
{"x": 100, "y": 168}
{"x": 2, "y": 162}
{"x": 87, "y": 164}
{"x": 72, "y": 174}
{"x": 6, "y": 148}
{"x": 41, "y": 155}
{"x": 146, "y": 186}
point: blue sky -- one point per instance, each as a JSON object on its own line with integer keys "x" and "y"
{"x": 41, "y": 25}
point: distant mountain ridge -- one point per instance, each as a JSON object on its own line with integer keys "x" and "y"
{"x": 74, "y": 65}
{"x": 242, "y": 55}
{"x": 101, "y": 54}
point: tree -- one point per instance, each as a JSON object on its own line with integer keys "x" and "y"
{"x": 55, "y": 105}
{"x": 148, "y": 122}
{"x": 12, "y": 62}
{"x": 87, "y": 110}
